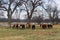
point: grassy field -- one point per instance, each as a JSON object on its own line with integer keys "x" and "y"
{"x": 29, "y": 34}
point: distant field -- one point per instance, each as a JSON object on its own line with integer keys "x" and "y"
{"x": 29, "y": 34}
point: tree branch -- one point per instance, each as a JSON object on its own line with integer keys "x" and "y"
{"x": 4, "y": 8}
{"x": 14, "y": 9}
{"x": 37, "y": 2}
{"x": 27, "y": 10}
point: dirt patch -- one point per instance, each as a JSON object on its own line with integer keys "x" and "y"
{"x": 43, "y": 33}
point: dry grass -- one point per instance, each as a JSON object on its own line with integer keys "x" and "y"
{"x": 29, "y": 34}
{"x": 13, "y": 38}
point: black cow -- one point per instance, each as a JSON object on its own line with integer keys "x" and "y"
{"x": 33, "y": 26}
{"x": 50, "y": 26}
{"x": 23, "y": 26}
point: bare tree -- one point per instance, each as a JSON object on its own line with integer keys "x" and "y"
{"x": 55, "y": 15}
{"x": 8, "y": 9}
{"x": 30, "y": 6}
{"x": 52, "y": 11}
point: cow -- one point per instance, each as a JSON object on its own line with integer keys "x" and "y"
{"x": 33, "y": 26}
{"x": 13, "y": 26}
{"x": 28, "y": 25}
{"x": 50, "y": 25}
{"x": 43, "y": 26}
{"x": 23, "y": 26}
{"x": 17, "y": 26}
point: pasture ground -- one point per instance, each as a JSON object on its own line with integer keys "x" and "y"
{"x": 29, "y": 34}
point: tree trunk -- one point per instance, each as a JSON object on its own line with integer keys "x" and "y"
{"x": 9, "y": 18}
{"x": 29, "y": 26}
{"x": 9, "y": 21}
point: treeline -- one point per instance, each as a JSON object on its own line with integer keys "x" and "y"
{"x": 37, "y": 21}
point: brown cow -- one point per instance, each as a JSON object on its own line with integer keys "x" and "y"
{"x": 17, "y": 26}
{"x": 28, "y": 25}
{"x": 44, "y": 26}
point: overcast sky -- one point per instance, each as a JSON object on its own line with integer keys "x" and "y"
{"x": 22, "y": 16}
